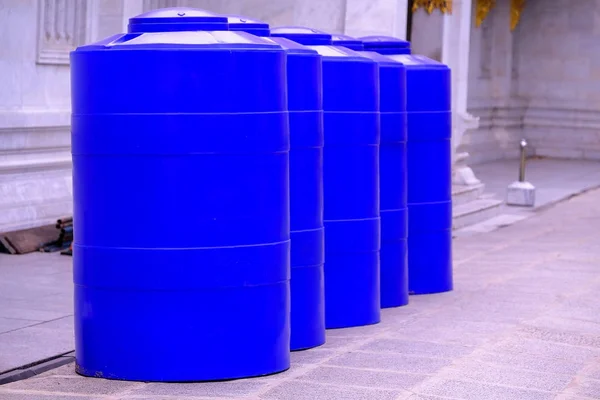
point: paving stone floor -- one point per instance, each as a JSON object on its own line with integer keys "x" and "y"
{"x": 523, "y": 323}
{"x": 554, "y": 179}
{"x": 36, "y": 308}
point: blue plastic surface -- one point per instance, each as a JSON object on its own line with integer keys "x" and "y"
{"x": 386, "y": 45}
{"x": 303, "y": 35}
{"x": 348, "y": 42}
{"x": 305, "y": 103}
{"x": 393, "y": 181}
{"x": 351, "y": 182}
{"x": 244, "y": 24}
{"x": 181, "y": 207}
{"x": 177, "y": 19}
{"x": 429, "y": 152}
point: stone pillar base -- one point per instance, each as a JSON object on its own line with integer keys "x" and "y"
{"x": 462, "y": 174}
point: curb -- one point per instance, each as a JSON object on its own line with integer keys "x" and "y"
{"x": 40, "y": 367}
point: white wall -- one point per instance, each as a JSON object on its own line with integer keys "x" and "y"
{"x": 37, "y": 36}
{"x": 552, "y": 97}
{"x": 354, "y": 17}
{"x": 34, "y": 116}
{"x": 558, "y": 45}
{"x": 491, "y": 89}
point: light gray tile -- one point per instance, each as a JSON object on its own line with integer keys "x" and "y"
{"x": 312, "y": 391}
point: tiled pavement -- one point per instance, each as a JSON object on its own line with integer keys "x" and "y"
{"x": 523, "y": 323}
{"x": 36, "y": 308}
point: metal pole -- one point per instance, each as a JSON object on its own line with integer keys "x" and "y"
{"x": 523, "y": 146}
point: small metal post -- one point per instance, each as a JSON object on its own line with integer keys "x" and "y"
{"x": 523, "y": 146}
{"x": 521, "y": 193}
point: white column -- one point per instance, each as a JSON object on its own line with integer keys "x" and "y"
{"x": 446, "y": 38}
{"x": 401, "y": 19}
{"x": 455, "y": 53}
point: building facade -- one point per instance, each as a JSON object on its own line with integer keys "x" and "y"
{"x": 520, "y": 69}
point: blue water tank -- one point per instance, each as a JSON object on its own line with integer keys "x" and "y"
{"x": 305, "y": 104}
{"x": 351, "y": 180}
{"x": 393, "y": 175}
{"x": 180, "y": 147}
{"x": 347, "y": 41}
{"x": 393, "y": 181}
{"x": 386, "y": 44}
{"x": 429, "y": 154}
{"x": 245, "y": 24}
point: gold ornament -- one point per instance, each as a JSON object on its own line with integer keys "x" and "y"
{"x": 516, "y": 9}
{"x": 482, "y": 9}
{"x": 445, "y": 6}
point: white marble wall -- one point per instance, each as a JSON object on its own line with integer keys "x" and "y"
{"x": 427, "y": 34}
{"x": 550, "y": 91}
{"x": 35, "y": 157}
{"x": 110, "y": 17}
{"x": 353, "y": 17}
{"x": 37, "y": 36}
{"x": 559, "y": 77}
{"x": 376, "y": 17}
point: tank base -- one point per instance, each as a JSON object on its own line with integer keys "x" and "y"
{"x": 352, "y": 294}
{"x": 308, "y": 307}
{"x": 430, "y": 262}
{"x": 394, "y": 274}
{"x": 182, "y": 336}
{"x": 79, "y": 370}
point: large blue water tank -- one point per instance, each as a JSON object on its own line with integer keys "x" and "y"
{"x": 393, "y": 181}
{"x": 347, "y": 41}
{"x": 350, "y": 178}
{"x": 386, "y": 44}
{"x": 393, "y": 175}
{"x": 305, "y": 104}
{"x": 180, "y": 147}
{"x": 429, "y": 154}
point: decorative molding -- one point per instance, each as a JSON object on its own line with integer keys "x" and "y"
{"x": 496, "y": 115}
{"x": 445, "y": 6}
{"x": 62, "y": 26}
{"x": 552, "y": 130}
{"x": 516, "y": 9}
{"x": 566, "y": 119}
{"x": 482, "y": 9}
{"x": 34, "y": 118}
{"x": 29, "y": 149}
{"x": 17, "y": 162}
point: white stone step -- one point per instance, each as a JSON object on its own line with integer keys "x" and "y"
{"x": 464, "y": 194}
{"x": 475, "y": 212}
